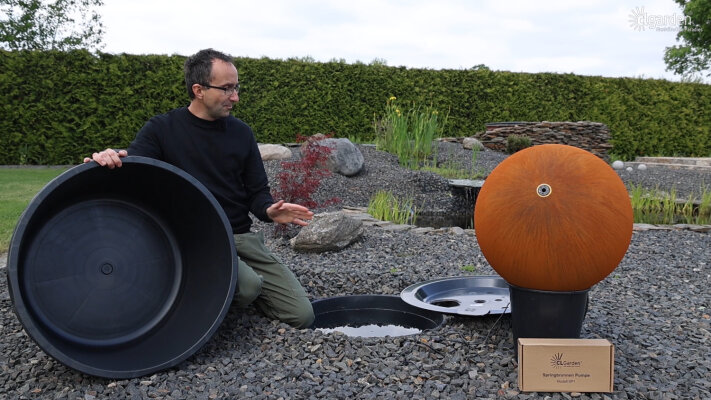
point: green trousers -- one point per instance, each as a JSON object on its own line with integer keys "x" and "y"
{"x": 263, "y": 280}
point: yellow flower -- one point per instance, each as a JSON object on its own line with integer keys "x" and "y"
{"x": 393, "y": 98}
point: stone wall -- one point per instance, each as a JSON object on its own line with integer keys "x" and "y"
{"x": 591, "y": 136}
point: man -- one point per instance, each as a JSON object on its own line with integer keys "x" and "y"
{"x": 221, "y": 152}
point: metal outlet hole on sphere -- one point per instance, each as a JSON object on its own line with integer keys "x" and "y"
{"x": 544, "y": 190}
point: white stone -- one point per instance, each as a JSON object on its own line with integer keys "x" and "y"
{"x": 629, "y": 169}
{"x": 642, "y": 167}
{"x": 618, "y": 164}
{"x": 470, "y": 143}
{"x": 274, "y": 152}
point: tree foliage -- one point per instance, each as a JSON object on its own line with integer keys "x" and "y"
{"x": 50, "y": 24}
{"x": 693, "y": 55}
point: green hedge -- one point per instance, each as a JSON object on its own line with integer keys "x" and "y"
{"x": 60, "y": 106}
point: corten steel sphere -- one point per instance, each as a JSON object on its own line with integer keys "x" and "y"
{"x": 553, "y": 217}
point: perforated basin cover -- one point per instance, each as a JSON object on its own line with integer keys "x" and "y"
{"x": 469, "y": 295}
{"x": 120, "y": 273}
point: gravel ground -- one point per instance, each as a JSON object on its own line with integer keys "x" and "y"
{"x": 654, "y": 308}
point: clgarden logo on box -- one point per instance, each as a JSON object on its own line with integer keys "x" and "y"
{"x": 641, "y": 20}
{"x": 557, "y": 361}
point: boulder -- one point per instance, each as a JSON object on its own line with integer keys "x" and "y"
{"x": 274, "y": 152}
{"x": 470, "y": 143}
{"x": 328, "y": 232}
{"x": 345, "y": 158}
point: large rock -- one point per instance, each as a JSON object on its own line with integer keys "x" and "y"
{"x": 274, "y": 152}
{"x": 470, "y": 143}
{"x": 345, "y": 158}
{"x": 328, "y": 232}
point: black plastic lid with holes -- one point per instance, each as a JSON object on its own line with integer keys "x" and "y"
{"x": 469, "y": 295}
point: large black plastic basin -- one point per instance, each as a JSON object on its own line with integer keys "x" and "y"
{"x": 120, "y": 273}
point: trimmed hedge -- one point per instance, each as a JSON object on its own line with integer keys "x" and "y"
{"x": 61, "y": 106}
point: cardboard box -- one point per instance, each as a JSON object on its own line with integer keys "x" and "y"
{"x": 565, "y": 365}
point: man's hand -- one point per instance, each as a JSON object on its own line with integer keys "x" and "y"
{"x": 107, "y": 158}
{"x": 284, "y": 213}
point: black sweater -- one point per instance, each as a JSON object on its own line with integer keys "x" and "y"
{"x": 222, "y": 155}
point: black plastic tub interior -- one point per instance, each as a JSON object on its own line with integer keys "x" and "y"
{"x": 120, "y": 273}
{"x": 383, "y": 310}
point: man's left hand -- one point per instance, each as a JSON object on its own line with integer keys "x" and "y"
{"x": 285, "y": 213}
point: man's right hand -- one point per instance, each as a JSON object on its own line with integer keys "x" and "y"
{"x": 107, "y": 158}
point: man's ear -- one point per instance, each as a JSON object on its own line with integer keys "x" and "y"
{"x": 197, "y": 91}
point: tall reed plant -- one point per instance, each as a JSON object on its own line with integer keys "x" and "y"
{"x": 655, "y": 207}
{"x": 452, "y": 170}
{"x": 387, "y": 207}
{"x": 409, "y": 133}
{"x": 704, "y": 210}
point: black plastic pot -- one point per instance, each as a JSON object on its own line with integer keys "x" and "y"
{"x": 381, "y": 310}
{"x": 546, "y": 314}
{"x": 120, "y": 273}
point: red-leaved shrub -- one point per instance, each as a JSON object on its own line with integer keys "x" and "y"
{"x": 299, "y": 180}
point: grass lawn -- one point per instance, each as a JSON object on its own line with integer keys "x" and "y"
{"x": 17, "y": 187}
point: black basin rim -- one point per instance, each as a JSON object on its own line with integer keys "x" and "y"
{"x": 25, "y": 316}
{"x": 432, "y": 320}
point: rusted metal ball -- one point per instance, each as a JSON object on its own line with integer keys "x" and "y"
{"x": 553, "y": 217}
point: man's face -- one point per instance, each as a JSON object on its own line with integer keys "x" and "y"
{"x": 217, "y": 103}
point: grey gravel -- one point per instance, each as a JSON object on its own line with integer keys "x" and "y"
{"x": 654, "y": 308}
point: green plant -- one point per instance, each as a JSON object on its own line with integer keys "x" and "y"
{"x": 704, "y": 209}
{"x": 668, "y": 206}
{"x": 656, "y": 207}
{"x": 638, "y": 200}
{"x": 386, "y": 207}
{"x": 451, "y": 170}
{"x": 468, "y": 268}
{"x": 408, "y": 133}
{"x": 516, "y": 143}
{"x": 360, "y": 139}
{"x": 474, "y": 169}
{"x": 687, "y": 211}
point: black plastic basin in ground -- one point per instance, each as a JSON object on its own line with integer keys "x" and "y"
{"x": 120, "y": 273}
{"x": 372, "y": 316}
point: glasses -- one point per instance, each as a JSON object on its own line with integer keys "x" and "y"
{"x": 228, "y": 90}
